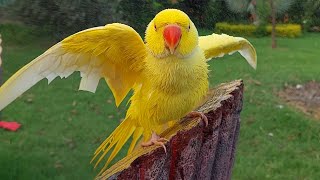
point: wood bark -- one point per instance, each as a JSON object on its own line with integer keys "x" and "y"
{"x": 193, "y": 151}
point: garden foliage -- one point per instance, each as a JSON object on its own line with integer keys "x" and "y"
{"x": 61, "y": 17}
{"x": 286, "y": 30}
{"x": 204, "y": 13}
{"x": 283, "y": 30}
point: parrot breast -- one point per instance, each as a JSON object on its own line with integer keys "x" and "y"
{"x": 171, "y": 88}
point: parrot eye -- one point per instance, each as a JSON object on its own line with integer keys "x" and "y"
{"x": 189, "y": 27}
{"x": 155, "y": 27}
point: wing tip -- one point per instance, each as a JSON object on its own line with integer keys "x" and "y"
{"x": 254, "y": 65}
{"x": 250, "y": 57}
{"x": 249, "y": 53}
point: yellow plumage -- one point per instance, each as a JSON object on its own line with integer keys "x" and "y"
{"x": 168, "y": 80}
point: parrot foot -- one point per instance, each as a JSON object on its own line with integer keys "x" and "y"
{"x": 203, "y": 117}
{"x": 156, "y": 140}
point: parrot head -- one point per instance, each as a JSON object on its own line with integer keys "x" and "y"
{"x": 171, "y": 33}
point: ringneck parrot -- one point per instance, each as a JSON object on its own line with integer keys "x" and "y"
{"x": 168, "y": 72}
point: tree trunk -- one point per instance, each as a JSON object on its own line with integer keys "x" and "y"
{"x": 273, "y": 16}
{"x": 193, "y": 151}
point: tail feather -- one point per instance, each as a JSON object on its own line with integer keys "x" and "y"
{"x": 136, "y": 135}
{"x": 117, "y": 139}
{"x": 119, "y": 145}
{"x": 106, "y": 147}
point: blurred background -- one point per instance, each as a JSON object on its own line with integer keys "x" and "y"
{"x": 62, "y": 127}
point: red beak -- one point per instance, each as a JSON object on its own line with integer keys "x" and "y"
{"x": 172, "y": 36}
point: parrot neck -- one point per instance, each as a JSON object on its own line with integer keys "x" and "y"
{"x": 177, "y": 54}
{"x": 176, "y": 74}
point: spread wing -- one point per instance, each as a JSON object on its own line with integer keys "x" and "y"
{"x": 216, "y": 45}
{"x": 114, "y": 52}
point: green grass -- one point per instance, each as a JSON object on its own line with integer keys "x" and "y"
{"x": 13, "y": 34}
{"x": 62, "y": 127}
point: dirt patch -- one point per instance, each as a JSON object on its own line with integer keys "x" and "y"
{"x": 304, "y": 97}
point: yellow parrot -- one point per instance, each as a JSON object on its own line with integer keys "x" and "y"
{"x": 168, "y": 72}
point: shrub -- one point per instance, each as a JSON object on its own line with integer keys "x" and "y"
{"x": 138, "y": 13}
{"x": 64, "y": 17}
{"x": 233, "y": 29}
{"x": 261, "y": 31}
{"x": 283, "y": 30}
{"x": 286, "y": 30}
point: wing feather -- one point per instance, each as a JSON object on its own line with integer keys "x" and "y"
{"x": 216, "y": 45}
{"x": 114, "y": 52}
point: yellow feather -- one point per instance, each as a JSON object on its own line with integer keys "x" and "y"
{"x": 119, "y": 50}
{"x": 166, "y": 85}
{"x": 135, "y": 137}
{"x": 218, "y": 45}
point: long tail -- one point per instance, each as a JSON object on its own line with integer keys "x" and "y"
{"x": 117, "y": 139}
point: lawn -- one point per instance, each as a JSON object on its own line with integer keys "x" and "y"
{"x": 62, "y": 127}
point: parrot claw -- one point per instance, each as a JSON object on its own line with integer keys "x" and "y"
{"x": 203, "y": 117}
{"x": 163, "y": 140}
{"x": 156, "y": 140}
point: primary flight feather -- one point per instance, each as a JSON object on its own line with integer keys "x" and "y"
{"x": 168, "y": 73}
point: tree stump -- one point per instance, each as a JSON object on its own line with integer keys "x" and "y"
{"x": 193, "y": 151}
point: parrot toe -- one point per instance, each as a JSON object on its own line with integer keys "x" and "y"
{"x": 163, "y": 140}
{"x": 156, "y": 140}
{"x": 195, "y": 114}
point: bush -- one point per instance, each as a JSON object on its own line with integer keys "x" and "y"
{"x": 282, "y": 30}
{"x": 236, "y": 29}
{"x": 63, "y": 18}
{"x": 286, "y": 30}
{"x": 261, "y": 31}
{"x": 138, "y": 13}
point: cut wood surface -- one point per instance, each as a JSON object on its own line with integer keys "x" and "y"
{"x": 193, "y": 151}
